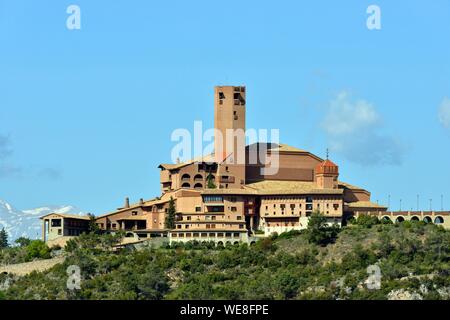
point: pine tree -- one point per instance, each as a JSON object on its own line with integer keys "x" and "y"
{"x": 93, "y": 227}
{"x": 3, "y": 239}
{"x": 23, "y": 241}
{"x": 170, "y": 217}
{"x": 319, "y": 232}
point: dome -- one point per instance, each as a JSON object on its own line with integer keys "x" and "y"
{"x": 327, "y": 167}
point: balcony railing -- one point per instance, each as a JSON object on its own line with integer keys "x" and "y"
{"x": 226, "y": 179}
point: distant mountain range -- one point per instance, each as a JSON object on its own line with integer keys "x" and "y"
{"x": 26, "y": 222}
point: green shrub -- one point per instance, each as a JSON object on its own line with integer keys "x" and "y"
{"x": 37, "y": 249}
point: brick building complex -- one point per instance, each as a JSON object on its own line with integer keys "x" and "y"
{"x": 232, "y": 194}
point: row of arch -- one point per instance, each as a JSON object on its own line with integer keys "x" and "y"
{"x": 188, "y": 185}
{"x": 426, "y": 219}
{"x": 197, "y": 177}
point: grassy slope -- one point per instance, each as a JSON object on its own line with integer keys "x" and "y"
{"x": 413, "y": 257}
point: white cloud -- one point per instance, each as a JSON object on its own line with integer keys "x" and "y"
{"x": 444, "y": 113}
{"x": 355, "y": 130}
{"x": 345, "y": 117}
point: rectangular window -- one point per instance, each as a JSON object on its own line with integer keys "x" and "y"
{"x": 213, "y": 199}
{"x": 56, "y": 222}
{"x": 217, "y": 209}
{"x": 198, "y": 209}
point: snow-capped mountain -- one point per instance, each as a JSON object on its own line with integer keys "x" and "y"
{"x": 26, "y": 222}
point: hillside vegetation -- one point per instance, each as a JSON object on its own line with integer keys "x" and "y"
{"x": 319, "y": 263}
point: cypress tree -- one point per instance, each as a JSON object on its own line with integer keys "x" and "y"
{"x": 3, "y": 239}
{"x": 170, "y": 217}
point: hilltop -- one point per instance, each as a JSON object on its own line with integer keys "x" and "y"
{"x": 414, "y": 259}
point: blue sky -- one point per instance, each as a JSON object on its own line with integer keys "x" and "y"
{"x": 86, "y": 115}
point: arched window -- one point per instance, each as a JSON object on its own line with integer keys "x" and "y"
{"x": 438, "y": 220}
{"x": 415, "y": 218}
{"x": 198, "y": 177}
{"x": 427, "y": 219}
{"x": 186, "y": 185}
{"x": 185, "y": 177}
{"x": 387, "y": 219}
{"x": 198, "y": 186}
{"x": 399, "y": 219}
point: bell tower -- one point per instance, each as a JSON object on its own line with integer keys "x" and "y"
{"x": 327, "y": 174}
{"x": 229, "y": 140}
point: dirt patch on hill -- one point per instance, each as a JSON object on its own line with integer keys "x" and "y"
{"x": 21, "y": 269}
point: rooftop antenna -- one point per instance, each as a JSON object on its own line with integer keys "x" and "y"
{"x": 328, "y": 153}
{"x": 400, "y": 204}
{"x": 431, "y": 204}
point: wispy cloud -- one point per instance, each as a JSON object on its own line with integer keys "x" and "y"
{"x": 50, "y": 173}
{"x": 6, "y": 169}
{"x": 5, "y": 146}
{"x": 444, "y": 113}
{"x": 355, "y": 130}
